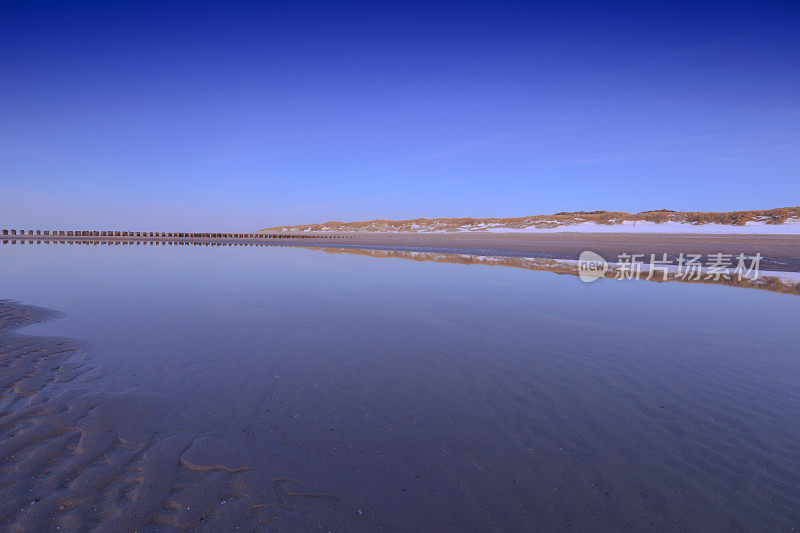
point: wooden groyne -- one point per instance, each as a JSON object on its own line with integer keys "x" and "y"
{"x": 150, "y": 236}
{"x": 152, "y": 242}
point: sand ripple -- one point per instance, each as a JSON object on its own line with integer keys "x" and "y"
{"x": 77, "y": 458}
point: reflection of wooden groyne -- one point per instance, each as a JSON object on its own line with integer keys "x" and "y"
{"x": 153, "y": 235}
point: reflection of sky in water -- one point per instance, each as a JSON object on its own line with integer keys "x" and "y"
{"x": 445, "y": 390}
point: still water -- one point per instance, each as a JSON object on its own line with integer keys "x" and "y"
{"x": 430, "y": 396}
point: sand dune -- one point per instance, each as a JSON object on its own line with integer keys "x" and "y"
{"x": 784, "y": 220}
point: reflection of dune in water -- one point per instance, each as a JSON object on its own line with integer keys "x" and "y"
{"x": 781, "y": 282}
{"x": 75, "y": 457}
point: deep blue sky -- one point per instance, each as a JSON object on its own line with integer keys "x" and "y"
{"x": 225, "y": 116}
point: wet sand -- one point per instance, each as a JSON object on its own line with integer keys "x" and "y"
{"x": 570, "y": 245}
{"x": 74, "y": 457}
{"x": 610, "y": 443}
{"x": 437, "y": 398}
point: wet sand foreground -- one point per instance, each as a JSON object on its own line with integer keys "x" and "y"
{"x": 277, "y": 388}
{"x": 76, "y": 458}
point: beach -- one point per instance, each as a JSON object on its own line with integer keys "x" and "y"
{"x": 282, "y": 387}
{"x": 405, "y": 267}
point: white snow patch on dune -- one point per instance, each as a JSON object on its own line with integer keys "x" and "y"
{"x": 789, "y": 228}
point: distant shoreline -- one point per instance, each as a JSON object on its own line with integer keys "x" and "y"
{"x": 780, "y": 252}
